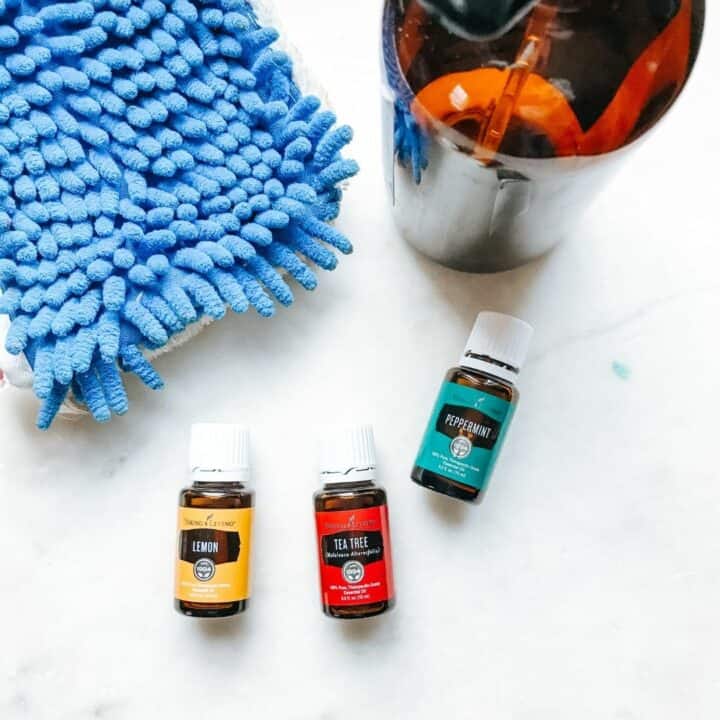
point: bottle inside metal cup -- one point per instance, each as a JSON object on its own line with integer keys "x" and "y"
{"x": 495, "y": 145}
{"x": 479, "y": 18}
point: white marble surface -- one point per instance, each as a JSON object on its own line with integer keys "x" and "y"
{"x": 586, "y": 586}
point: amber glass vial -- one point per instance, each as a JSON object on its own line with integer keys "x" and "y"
{"x": 215, "y": 517}
{"x": 353, "y": 533}
{"x": 473, "y": 411}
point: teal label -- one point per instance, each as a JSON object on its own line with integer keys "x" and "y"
{"x": 465, "y": 434}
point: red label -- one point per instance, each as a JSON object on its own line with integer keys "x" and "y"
{"x": 355, "y": 556}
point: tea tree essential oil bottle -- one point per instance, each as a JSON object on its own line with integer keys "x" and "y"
{"x": 215, "y": 520}
{"x": 474, "y": 409}
{"x": 353, "y": 533}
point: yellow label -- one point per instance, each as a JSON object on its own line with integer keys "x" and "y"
{"x": 213, "y": 555}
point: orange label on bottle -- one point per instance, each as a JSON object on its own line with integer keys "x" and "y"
{"x": 213, "y": 555}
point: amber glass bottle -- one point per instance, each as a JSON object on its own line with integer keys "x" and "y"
{"x": 473, "y": 411}
{"x": 215, "y": 517}
{"x": 353, "y": 533}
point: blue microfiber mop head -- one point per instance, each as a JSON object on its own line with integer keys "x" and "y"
{"x": 158, "y": 163}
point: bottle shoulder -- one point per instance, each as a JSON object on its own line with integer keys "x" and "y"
{"x": 349, "y": 496}
{"x": 217, "y": 495}
{"x": 483, "y": 382}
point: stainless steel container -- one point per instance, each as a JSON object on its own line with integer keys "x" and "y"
{"x": 471, "y": 217}
{"x": 481, "y": 210}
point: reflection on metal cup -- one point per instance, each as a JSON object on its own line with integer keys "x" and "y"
{"x": 494, "y": 148}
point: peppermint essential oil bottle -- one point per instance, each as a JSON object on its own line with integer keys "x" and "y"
{"x": 215, "y": 520}
{"x": 353, "y": 533}
{"x": 474, "y": 409}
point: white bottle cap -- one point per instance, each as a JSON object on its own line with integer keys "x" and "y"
{"x": 219, "y": 451}
{"x": 501, "y": 338}
{"x": 347, "y": 454}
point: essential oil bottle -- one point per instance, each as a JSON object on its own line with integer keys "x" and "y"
{"x": 353, "y": 533}
{"x": 474, "y": 409}
{"x": 215, "y": 521}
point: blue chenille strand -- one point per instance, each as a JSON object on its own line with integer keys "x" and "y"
{"x": 158, "y": 163}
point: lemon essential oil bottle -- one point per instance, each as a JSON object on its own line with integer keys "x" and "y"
{"x": 474, "y": 409}
{"x": 215, "y": 521}
{"x": 353, "y": 532}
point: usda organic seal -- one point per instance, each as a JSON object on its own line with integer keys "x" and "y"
{"x": 353, "y": 571}
{"x": 460, "y": 447}
{"x": 204, "y": 569}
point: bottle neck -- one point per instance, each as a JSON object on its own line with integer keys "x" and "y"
{"x": 352, "y": 477}
{"x": 480, "y": 19}
{"x": 491, "y": 366}
{"x": 203, "y": 476}
{"x": 352, "y": 486}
